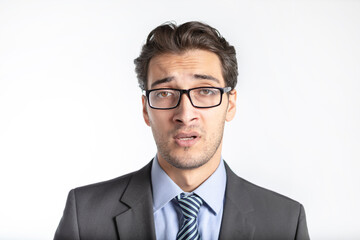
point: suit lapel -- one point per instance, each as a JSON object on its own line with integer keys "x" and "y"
{"x": 137, "y": 219}
{"x": 236, "y": 223}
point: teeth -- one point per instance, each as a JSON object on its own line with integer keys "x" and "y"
{"x": 187, "y": 138}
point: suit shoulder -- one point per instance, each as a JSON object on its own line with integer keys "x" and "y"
{"x": 260, "y": 196}
{"x": 118, "y": 181}
{"x": 272, "y": 213}
{"x": 113, "y": 187}
{"x": 267, "y": 194}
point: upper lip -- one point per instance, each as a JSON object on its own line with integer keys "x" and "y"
{"x": 186, "y": 135}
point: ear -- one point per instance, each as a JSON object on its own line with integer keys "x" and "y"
{"x": 145, "y": 112}
{"x": 231, "y": 110}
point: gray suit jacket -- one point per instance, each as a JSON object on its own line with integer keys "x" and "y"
{"x": 122, "y": 209}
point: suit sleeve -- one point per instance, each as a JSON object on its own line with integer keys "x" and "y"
{"x": 68, "y": 228}
{"x": 302, "y": 231}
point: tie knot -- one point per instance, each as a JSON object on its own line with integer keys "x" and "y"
{"x": 189, "y": 205}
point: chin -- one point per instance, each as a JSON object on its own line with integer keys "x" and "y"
{"x": 184, "y": 161}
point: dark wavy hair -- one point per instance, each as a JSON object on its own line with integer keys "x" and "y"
{"x": 170, "y": 38}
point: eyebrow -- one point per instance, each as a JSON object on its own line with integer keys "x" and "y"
{"x": 160, "y": 81}
{"x": 207, "y": 77}
{"x": 196, "y": 76}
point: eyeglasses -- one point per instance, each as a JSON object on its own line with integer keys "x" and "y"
{"x": 200, "y": 97}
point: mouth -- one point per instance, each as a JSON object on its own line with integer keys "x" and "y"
{"x": 186, "y": 139}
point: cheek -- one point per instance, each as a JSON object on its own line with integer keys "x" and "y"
{"x": 158, "y": 118}
{"x": 217, "y": 115}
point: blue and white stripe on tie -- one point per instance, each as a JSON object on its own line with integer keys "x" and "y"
{"x": 190, "y": 206}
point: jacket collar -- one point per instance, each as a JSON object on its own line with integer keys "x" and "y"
{"x": 236, "y": 223}
{"x": 137, "y": 219}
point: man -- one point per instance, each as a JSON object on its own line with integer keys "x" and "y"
{"x": 188, "y": 74}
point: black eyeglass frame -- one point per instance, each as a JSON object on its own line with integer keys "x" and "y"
{"x": 187, "y": 92}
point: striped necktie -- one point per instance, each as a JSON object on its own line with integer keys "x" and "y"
{"x": 190, "y": 206}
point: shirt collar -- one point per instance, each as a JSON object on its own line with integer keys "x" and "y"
{"x": 164, "y": 188}
{"x": 212, "y": 191}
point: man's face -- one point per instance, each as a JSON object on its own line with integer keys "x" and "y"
{"x": 188, "y": 137}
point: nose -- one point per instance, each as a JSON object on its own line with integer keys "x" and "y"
{"x": 185, "y": 113}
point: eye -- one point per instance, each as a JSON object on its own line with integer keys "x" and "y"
{"x": 163, "y": 94}
{"x": 207, "y": 91}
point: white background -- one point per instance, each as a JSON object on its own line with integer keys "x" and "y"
{"x": 70, "y": 107}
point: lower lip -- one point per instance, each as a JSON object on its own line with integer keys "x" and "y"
{"x": 186, "y": 142}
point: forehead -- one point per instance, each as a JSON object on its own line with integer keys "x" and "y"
{"x": 184, "y": 66}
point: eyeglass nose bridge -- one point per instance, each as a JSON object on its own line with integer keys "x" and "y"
{"x": 187, "y": 92}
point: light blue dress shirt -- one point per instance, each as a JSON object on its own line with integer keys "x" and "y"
{"x": 167, "y": 214}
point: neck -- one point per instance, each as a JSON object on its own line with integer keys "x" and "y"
{"x": 190, "y": 179}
